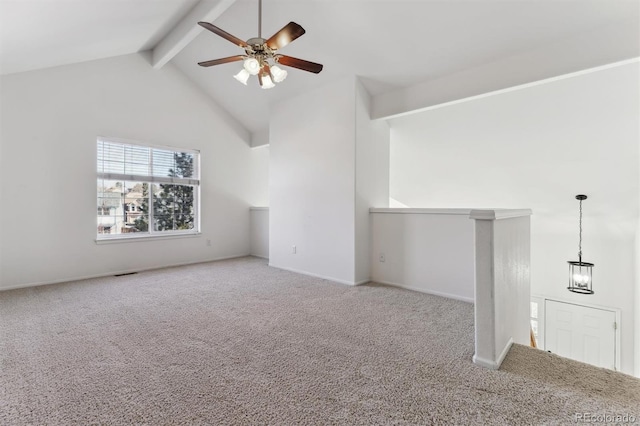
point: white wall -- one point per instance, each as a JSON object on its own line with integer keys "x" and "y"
{"x": 50, "y": 120}
{"x": 329, "y": 164}
{"x": 502, "y": 283}
{"x": 637, "y": 304}
{"x": 2, "y": 184}
{"x": 312, "y": 182}
{"x": 431, "y": 251}
{"x": 538, "y": 147}
{"x": 637, "y": 282}
{"x": 372, "y": 177}
{"x": 259, "y": 232}
{"x": 512, "y": 248}
{"x": 259, "y": 176}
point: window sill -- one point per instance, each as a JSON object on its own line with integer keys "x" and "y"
{"x": 131, "y": 239}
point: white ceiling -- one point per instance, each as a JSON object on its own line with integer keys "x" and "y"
{"x": 389, "y": 44}
{"x": 45, "y": 33}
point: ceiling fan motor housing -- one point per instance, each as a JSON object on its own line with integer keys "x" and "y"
{"x": 256, "y": 42}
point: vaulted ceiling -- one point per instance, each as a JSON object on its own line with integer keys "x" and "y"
{"x": 392, "y": 45}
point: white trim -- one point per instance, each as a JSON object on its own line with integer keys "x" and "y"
{"x": 363, "y": 282}
{"x": 539, "y": 300}
{"x": 462, "y": 212}
{"x": 261, "y": 257}
{"x": 131, "y": 237}
{"x": 573, "y": 302}
{"x": 510, "y": 89}
{"x": 505, "y": 351}
{"x": 149, "y": 178}
{"x": 125, "y": 271}
{"x": 421, "y": 290}
{"x": 491, "y": 365}
{"x": 494, "y": 365}
{"x": 496, "y": 214}
{"x": 124, "y": 141}
{"x": 297, "y": 271}
{"x": 479, "y": 214}
{"x": 259, "y": 208}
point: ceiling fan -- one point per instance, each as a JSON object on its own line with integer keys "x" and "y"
{"x": 261, "y": 57}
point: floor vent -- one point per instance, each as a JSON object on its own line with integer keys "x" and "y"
{"x": 126, "y": 273}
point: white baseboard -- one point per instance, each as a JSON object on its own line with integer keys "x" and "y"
{"x": 494, "y": 364}
{"x": 422, "y": 290}
{"x": 486, "y": 363}
{"x": 324, "y": 277}
{"x": 112, "y": 273}
{"x": 505, "y": 351}
{"x": 261, "y": 257}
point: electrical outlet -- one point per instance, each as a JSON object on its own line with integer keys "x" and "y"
{"x": 381, "y": 258}
{"x": 294, "y": 249}
{"x": 208, "y": 243}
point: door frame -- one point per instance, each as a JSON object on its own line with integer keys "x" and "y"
{"x": 543, "y": 324}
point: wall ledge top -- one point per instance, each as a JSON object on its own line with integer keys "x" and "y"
{"x": 497, "y": 214}
{"x": 403, "y": 210}
{"x": 258, "y": 208}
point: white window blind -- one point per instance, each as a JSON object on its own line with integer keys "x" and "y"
{"x": 120, "y": 161}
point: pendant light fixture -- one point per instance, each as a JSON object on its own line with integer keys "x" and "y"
{"x": 580, "y": 273}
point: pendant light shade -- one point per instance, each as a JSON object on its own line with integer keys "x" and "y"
{"x": 252, "y": 65}
{"x": 580, "y": 273}
{"x": 278, "y": 74}
{"x": 242, "y": 76}
{"x": 265, "y": 80}
{"x": 581, "y": 277}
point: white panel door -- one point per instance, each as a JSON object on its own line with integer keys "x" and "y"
{"x": 582, "y": 333}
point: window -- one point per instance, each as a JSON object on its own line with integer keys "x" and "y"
{"x": 536, "y": 317}
{"x": 146, "y": 191}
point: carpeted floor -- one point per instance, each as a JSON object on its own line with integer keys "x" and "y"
{"x": 237, "y": 342}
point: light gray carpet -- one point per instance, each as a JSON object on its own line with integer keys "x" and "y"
{"x": 237, "y": 342}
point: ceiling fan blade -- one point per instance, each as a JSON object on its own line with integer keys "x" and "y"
{"x": 221, "y": 61}
{"x": 286, "y": 35}
{"x": 222, "y": 33}
{"x": 299, "y": 63}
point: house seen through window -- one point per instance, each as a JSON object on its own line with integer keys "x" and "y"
{"x": 146, "y": 191}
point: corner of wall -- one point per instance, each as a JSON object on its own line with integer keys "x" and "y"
{"x": 241, "y": 131}
{"x": 311, "y": 182}
{"x": 371, "y": 175}
{"x": 636, "y": 307}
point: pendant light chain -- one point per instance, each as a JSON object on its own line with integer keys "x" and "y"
{"x": 580, "y": 241}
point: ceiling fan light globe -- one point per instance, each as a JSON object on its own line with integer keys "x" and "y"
{"x": 278, "y": 74}
{"x": 252, "y": 66}
{"x": 242, "y": 76}
{"x": 266, "y": 82}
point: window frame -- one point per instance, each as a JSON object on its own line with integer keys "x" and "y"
{"x": 539, "y": 301}
{"x": 151, "y": 233}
